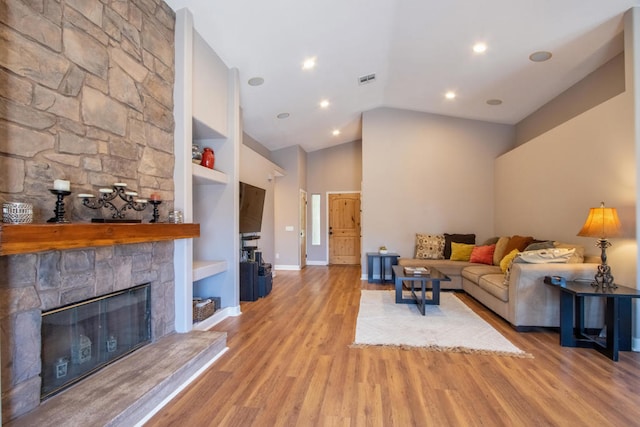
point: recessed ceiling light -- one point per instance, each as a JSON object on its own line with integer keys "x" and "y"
{"x": 479, "y": 47}
{"x": 450, "y": 95}
{"x": 494, "y": 101}
{"x": 324, "y": 103}
{"x": 309, "y": 63}
{"x": 255, "y": 81}
{"x": 282, "y": 115}
{"x": 540, "y": 56}
{"x": 336, "y": 132}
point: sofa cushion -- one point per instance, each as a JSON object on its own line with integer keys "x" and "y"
{"x": 461, "y": 251}
{"x": 494, "y": 285}
{"x": 483, "y": 254}
{"x": 474, "y": 272}
{"x": 469, "y": 239}
{"x": 518, "y": 242}
{"x": 445, "y": 266}
{"x": 429, "y": 246}
{"x": 499, "y": 253}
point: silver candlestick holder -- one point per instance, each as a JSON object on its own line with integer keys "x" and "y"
{"x": 128, "y": 201}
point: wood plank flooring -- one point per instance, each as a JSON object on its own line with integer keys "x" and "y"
{"x": 290, "y": 364}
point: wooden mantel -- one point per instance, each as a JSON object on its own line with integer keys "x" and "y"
{"x": 28, "y": 238}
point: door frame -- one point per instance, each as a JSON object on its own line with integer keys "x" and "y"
{"x": 302, "y": 231}
{"x": 326, "y": 220}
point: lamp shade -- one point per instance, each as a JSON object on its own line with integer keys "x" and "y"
{"x": 602, "y": 222}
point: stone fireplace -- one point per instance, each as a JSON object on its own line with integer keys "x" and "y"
{"x": 79, "y": 339}
{"x": 86, "y": 95}
{"x": 44, "y": 281}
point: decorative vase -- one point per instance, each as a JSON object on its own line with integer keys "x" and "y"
{"x": 196, "y": 155}
{"x": 208, "y": 158}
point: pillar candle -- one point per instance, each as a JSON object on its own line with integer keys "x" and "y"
{"x": 61, "y": 185}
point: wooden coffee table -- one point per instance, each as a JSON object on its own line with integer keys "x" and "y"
{"x": 419, "y": 293}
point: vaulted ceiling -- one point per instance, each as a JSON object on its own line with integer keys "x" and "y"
{"x": 418, "y": 51}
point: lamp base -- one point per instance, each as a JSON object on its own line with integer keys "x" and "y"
{"x": 604, "y": 279}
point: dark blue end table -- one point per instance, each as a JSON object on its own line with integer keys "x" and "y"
{"x": 617, "y": 317}
{"x": 381, "y": 258}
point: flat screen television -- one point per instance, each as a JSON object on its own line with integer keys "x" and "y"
{"x": 251, "y": 207}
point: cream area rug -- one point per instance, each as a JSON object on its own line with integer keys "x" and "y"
{"x": 450, "y": 326}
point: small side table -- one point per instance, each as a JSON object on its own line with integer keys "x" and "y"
{"x": 617, "y": 317}
{"x": 381, "y": 258}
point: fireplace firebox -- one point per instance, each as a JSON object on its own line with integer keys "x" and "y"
{"x": 81, "y": 338}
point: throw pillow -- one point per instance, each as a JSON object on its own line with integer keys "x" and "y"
{"x": 461, "y": 251}
{"x": 499, "y": 252}
{"x": 506, "y": 261}
{"x": 546, "y": 244}
{"x": 546, "y": 256}
{"x": 469, "y": 239}
{"x": 578, "y": 256}
{"x": 429, "y": 246}
{"x": 518, "y": 242}
{"x": 490, "y": 241}
{"x": 483, "y": 254}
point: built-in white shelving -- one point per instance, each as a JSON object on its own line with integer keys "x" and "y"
{"x": 204, "y": 176}
{"x": 207, "y": 113}
{"x": 204, "y": 269}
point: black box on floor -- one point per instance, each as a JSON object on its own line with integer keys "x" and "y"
{"x": 264, "y": 285}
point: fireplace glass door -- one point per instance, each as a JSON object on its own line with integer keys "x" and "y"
{"x": 81, "y": 338}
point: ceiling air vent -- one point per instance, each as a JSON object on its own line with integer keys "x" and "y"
{"x": 369, "y": 78}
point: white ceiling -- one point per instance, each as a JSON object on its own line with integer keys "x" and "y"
{"x": 418, "y": 49}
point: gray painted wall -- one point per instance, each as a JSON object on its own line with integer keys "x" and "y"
{"x": 599, "y": 86}
{"x": 287, "y": 215}
{"x": 425, "y": 173}
{"x": 333, "y": 169}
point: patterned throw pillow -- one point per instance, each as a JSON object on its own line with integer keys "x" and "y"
{"x": 429, "y": 246}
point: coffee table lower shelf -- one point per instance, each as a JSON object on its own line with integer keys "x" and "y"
{"x": 419, "y": 293}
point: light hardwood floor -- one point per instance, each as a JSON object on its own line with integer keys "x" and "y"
{"x": 290, "y": 364}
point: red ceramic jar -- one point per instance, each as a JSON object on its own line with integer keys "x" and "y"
{"x": 208, "y": 158}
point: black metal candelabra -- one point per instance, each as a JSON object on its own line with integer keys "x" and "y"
{"x": 108, "y": 196}
{"x": 156, "y": 215}
{"x": 59, "y": 210}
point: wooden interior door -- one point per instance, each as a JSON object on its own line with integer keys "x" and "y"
{"x": 344, "y": 228}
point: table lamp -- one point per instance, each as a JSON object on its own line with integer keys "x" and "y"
{"x": 602, "y": 223}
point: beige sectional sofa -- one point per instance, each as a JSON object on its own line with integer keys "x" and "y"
{"x": 518, "y": 295}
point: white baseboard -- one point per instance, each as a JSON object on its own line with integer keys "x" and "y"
{"x": 323, "y": 263}
{"x": 635, "y": 344}
{"x": 287, "y": 267}
{"x": 217, "y": 317}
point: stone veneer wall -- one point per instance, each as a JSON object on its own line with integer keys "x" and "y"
{"x": 86, "y": 94}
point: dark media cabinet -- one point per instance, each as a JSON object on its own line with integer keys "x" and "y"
{"x": 256, "y": 279}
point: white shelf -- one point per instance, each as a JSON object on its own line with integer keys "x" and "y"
{"x": 202, "y": 269}
{"x": 204, "y": 176}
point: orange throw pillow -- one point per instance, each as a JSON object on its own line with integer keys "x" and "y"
{"x": 483, "y": 254}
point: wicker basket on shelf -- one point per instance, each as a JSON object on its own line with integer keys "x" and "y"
{"x": 203, "y": 308}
